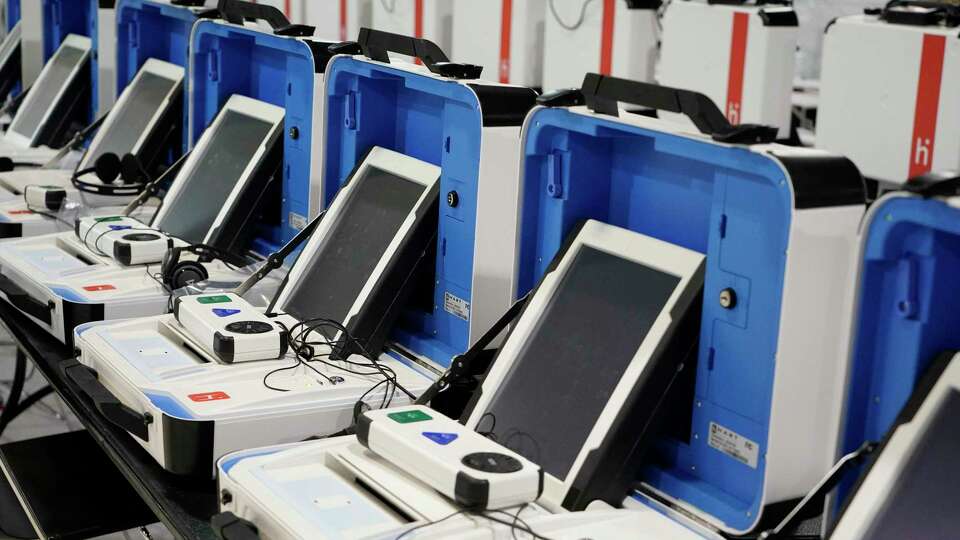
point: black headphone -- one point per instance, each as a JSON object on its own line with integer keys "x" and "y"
{"x": 109, "y": 168}
{"x": 177, "y": 274}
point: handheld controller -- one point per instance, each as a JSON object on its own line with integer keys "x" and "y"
{"x": 470, "y": 469}
{"x": 229, "y": 328}
{"x": 45, "y": 197}
{"x": 126, "y": 239}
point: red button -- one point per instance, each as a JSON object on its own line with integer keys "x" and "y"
{"x": 99, "y": 288}
{"x": 208, "y": 396}
{"x": 19, "y": 212}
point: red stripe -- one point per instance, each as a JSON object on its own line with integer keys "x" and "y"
{"x": 738, "y": 62}
{"x": 506, "y": 30}
{"x": 928, "y": 104}
{"x": 606, "y": 37}
{"x": 286, "y": 8}
{"x": 418, "y": 21}
{"x": 343, "y": 20}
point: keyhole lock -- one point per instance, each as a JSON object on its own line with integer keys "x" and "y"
{"x": 453, "y": 199}
{"x": 728, "y": 298}
{"x": 294, "y": 133}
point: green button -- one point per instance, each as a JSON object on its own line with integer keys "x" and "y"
{"x": 219, "y": 299}
{"x": 108, "y": 219}
{"x": 409, "y": 417}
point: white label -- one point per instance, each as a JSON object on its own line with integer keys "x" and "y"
{"x": 297, "y": 221}
{"x": 456, "y": 306}
{"x": 734, "y": 445}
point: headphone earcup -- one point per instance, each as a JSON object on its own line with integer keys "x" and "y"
{"x": 187, "y": 273}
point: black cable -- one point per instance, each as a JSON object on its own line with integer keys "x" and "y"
{"x": 429, "y": 524}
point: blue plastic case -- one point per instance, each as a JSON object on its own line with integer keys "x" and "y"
{"x": 470, "y": 129}
{"x": 13, "y": 13}
{"x": 84, "y": 17}
{"x": 905, "y": 314}
{"x": 775, "y": 223}
{"x": 153, "y": 29}
{"x": 228, "y": 59}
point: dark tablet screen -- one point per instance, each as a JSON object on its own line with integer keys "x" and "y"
{"x": 348, "y": 255}
{"x": 44, "y": 95}
{"x": 132, "y": 120}
{"x": 191, "y": 214}
{"x": 924, "y": 500}
{"x": 580, "y": 347}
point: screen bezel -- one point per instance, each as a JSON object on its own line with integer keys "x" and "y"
{"x": 395, "y": 163}
{"x": 73, "y": 40}
{"x": 10, "y": 41}
{"x": 874, "y": 492}
{"x": 241, "y": 105}
{"x": 656, "y": 254}
{"x": 166, "y": 70}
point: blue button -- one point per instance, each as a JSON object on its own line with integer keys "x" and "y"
{"x": 220, "y": 312}
{"x": 441, "y": 438}
{"x": 120, "y": 227}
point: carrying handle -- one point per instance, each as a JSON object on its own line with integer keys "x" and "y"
{"x": 109, "y": 406}
{"x": 602, "y": 93}
{"x": 935, "y": 184}
{"x": 377, "y": 45}
{"x": 946, "y": 12}
{"x": 238, "y": 11}
{"x": 21, "y": 300}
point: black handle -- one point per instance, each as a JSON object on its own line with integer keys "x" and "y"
{"x": 602, "y": 93}
{"x": 939, "y": 12}
{"x": 935, "y": 184}
{"x": 109, "y": 406}
{"x": 21, "y": 300}
{"x": 377, "y": 45}
{"x": 238, "y": 11}
{"x": 227, "y": 526}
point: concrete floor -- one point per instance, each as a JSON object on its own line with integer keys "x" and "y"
{"x": 49, "y": 417}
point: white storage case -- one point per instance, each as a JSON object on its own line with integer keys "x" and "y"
{"x": 612, "y": 37}
{"x": 503, "y": 36}
{"x": 888, "y": 95}
{"x": 740, "y": 56}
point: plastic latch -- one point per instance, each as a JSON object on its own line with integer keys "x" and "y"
{"x": 454, "y": 70}
{"x": 567, "y": 97}
{"x": 555, "y": 174}
{"x": 747, "y": 134}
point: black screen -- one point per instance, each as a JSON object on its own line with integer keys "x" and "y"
{"x": 369, "y": 220}
{"x": 217, "y": 171}
{"x": 129, "y": 123}
{"x": 924, "y": 501}
{"x": 43, "y": 96}
{"x": 587, "y": 336}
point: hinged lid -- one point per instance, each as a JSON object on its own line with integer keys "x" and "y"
{"x": 431, "y": 113}
{"x": 153, "y": 29}
{"x": 906, "y": 308}
{"x": 734, "y": 203}
{"x": 228, "y": 59}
